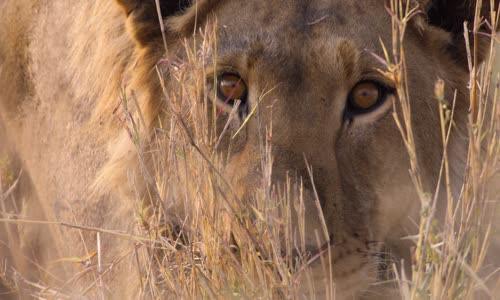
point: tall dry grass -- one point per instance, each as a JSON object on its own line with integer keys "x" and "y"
{"x": 200, "y": 240}
{"x": 448, "y": 258}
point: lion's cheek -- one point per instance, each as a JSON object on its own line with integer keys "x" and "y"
{"x": 243, "y": 171}
{"x": 397, "y": 212}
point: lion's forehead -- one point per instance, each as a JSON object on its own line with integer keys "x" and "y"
{"x": 327, "y": 36}
{"x": 293, "y": 20}
{"x": 284, "y": 10}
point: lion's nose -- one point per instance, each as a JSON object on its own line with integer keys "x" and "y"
{"x": 313, "y": 221}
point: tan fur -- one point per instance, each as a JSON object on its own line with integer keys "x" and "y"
{"x": 63, "y": 65}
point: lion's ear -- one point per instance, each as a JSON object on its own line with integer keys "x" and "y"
{"x": 143, "y": 16}
{"x": 450, "y": 16}
{"x": 167, "y": 7}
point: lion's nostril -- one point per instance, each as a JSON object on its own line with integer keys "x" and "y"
{"x": 332, "y": 240}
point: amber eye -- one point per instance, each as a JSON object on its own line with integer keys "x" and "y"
{"x": 365, "y": 96}
{"x": 231, "y": 87}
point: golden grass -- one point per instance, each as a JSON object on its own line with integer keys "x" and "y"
{"x": 447, "y": 260}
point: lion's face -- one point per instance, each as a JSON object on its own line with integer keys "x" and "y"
{"x": 323, "y": 103}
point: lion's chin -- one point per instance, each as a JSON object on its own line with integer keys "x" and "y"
{"x": 349, "y": 277}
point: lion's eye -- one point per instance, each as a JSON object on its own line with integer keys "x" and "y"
{"x": 231, "y": 87}
{"x": 365, "y": 97}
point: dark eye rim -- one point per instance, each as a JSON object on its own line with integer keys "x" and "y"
{"x": 351, "y": 110}
{"x": 231, "y": 101}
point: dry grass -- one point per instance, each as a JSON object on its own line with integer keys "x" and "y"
{"x": 448, "y": 259}
{"x": 220, "y": 247}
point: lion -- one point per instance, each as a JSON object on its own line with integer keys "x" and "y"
{"x": 63, "y": 66}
